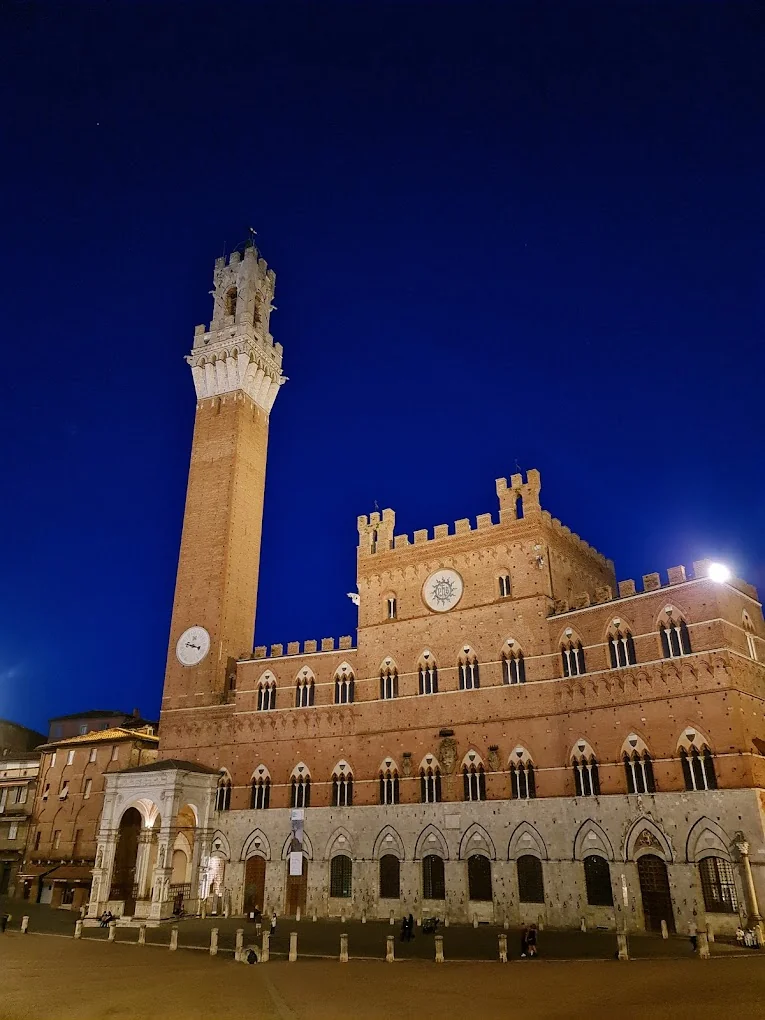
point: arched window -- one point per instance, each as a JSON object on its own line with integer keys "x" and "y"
{"x": 223, "y": 792}
{"x": 479, "y": 878}
{"x": 261, "y": 789}
{"x": 504, "y": 586}
{"x": 697, "y": 761}
{"x": 300, "y": 787}
{"x": 523, "y": 784}
{"x": 428, "y": 673}
{"x": 468, "y": 669}
{"x": 389, "y": 783}
{"x": 513, "y": 666}
{"x": 585, "y": 766}
{"x": 388, "y": 681}
{"x": 344, "y": 686}
{"x": 267, "y": 692}
{"x": 473, "y": 778}
{"x": 231, "y": 297}
{"x": 304, "y": 689}
{"x": 531, "y": 887}
{"x": 673, "y": 631}
{"x": 341, "y": 877}
{"x": 597, "y": 877}
{"x": 621, "y": 647}
{"x": 430, "y": 781}
{"x": 390, "y": 877}
{"x": 390, "y": 607}
{"x": 342, "y": 785}
{"x": 749, "y": 634}
{"x": 638, "y": 766}
{"x": 718, "y": 886}
{"x": 433, "y": 884}
{"x": 572, "y": 655}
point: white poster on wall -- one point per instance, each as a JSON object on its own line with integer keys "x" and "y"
{"x": 296, "y": 862}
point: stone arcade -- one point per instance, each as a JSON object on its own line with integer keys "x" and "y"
{"x": 513, "y": 737}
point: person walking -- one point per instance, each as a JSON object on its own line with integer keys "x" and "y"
{"x": 404, "y": 928}
{"x": 531, "y": 941}
{"x": 410, "y": 928}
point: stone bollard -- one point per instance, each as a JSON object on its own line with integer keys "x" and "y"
{"x": 342, "y": 916}
{"x": 710, "y": 933}
{"x": 621, "y": 943}
{"x": 142, "y": 935}
{"x": 213, "y": 942}
{"x": 702, "y": 944}
{"x": 112, "y": 931}
{"x": 503, "y": 948}
{"x": 203, "y": 910}
{"x": 390, "y": 949}
{"x": 297, "y": 914}
{"x": 582, "y": 924}
{"x": 293, "y": 947}
{"x": 392, "y": 918}
{"x": 78, "y": 929}
{"x": 314, "y": 916}
{"x": 363, "y": 917}
{"x": 174, "y": 938}
{"x": 24, "y": 924}
{"x": 439, "y": 949}
{"x": 343, "y": 949}
{"x": 265, "y": 952}
{"x": 475, "y": 920}
{"x": 664, "y": 930}
{"x": 239, "y": 943}
{"x": 506, "y": 923}
{"x": 446, "y": 922}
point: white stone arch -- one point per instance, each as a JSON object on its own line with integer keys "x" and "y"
{"x": 645, "y": 837}
{"x": 707, "y": 838}
{"x": 342, "y": 769}
{"x": 219, "y": 846}
{"x": 669, "y": 614}
{"x": 389, "y": 763}
{"x": 304, "y": 675}
{"x": 260, "y": 772}
{"x": 476, "y": 840}
{"x": 567, "y": 635}
{"x": 388, "y": 841}
{"x": 147, "y": 809}
{"x": 340, "y": 842}
{"x": 267, "y": 677}
{"x": 307, "y": 847}
{"x": 429, "y": 762}
{"x": 467, "y": 654}
{"x": 520, "y": 755}
{"x": 388, "y": 664}
{"x": 526, "y": 839}
{"x": 633, "y": 742}
{"x": 592, "y": 839}
{"x": 300, "y": 771}
{"x": 426, "y": 659}
{"x": 693, "y": 736}
{"x": 581, "y": 749}
{"x": 256, "y": 845}
{"x": 472, "y": 757}
{"x": 431, "y": 841}
{"x": 511, "y": 646}
{"x": 343, "y": 671}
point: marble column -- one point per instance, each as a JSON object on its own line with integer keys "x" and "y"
{"x": 753, "y": 912}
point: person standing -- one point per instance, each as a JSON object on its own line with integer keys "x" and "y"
{"x": 410, "y": 928}
{"x": 531, "y": 941}
{"x": 273, "y": 924}
{"x": 525, "y": 941}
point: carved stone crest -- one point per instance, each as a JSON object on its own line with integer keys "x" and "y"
{"x": 447, "y": 754}
{"x": 647, "y": 839}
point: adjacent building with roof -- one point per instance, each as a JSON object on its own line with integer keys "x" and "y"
{"x": 19, "y": 765}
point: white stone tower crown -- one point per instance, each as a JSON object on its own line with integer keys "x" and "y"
{"x": 238, "y": 351}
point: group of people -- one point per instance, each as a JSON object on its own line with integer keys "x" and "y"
{"x": 407, "y": 928}
{"x": 105, "y": 919}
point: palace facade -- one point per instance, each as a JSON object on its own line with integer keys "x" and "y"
{"x": 512, "y": 735}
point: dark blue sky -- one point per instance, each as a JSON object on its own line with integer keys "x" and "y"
{"x": 524, "y": 232}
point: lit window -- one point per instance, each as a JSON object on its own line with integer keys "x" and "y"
{"x": 83, "y": 729}
{"x": 53, "y": 760}
{"x": 718, "y": 886}
{"x": 56, "y": 838}
{"x": 70, "y": 758}
{"x": 92, "y": 756}
{"x": 86, "y": 789}
{"x": 13, "y": 830}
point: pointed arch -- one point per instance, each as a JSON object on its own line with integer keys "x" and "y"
{"x": 305, "y": 686}
{"x": 467, "y": 666}
{"x": 345, "y": 684}
{"x": 638, "y": 765}
{"x": 697, "y": 760}
{"x": 523, "y": 780}
{"x": 473, "y": 777}
{"x": 260, "y": 788}
{"x": 340, "y": 842}
{"x": 300, "y": 783}
{"x": 749, "y": 634}
{"x": 427, "y": 670}
{"x": 342, "y": 785}
{"x": 707, "y": 838}
{"x": 219, "y": 846}
{"x": 388, "y": 679}
{"x": 266, "y": 691}
{"x": 257, "y": 844}
{"x": 430, "y": 780}
{"x": 307, "y": 846}
{"x": 645, "y": 836}
{"x": 571, "y": 653}
{"x": 621, "y": 644}
{"x": 672, "y": 626}
{"x": 476, "y": 840}
{"x": 585, "y": 768}
{"x": 592, "y": 838}
{"x": 431, "y": 841}
{"x": 223, "y": 791}
{"x": 389, "y": 782}
{"x": 526, "y": 839}
{"x": 388, "y": 841}
{"x": 513, "y": 662}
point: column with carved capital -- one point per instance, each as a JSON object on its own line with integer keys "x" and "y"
{"x": 102, "y": 872}
{"x": 200, "y": 859}
{"x": 753, "y": 912}
{"x": 146, "y": 840}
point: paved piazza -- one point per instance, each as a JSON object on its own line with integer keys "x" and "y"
{"x": 42, "y": 978}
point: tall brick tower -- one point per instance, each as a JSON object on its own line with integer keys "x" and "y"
{"x": 236, "y": 368}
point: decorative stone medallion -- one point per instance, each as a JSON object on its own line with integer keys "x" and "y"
{"x": 193, "y": 645}
{"x": 442, "y": 590}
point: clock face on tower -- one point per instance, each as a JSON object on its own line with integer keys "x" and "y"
{"x": 192, "y": 646}
{"x": 442, "y": 590}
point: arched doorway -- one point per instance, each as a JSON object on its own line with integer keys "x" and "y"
{"x": 255, "y": 884}
{"x": 654, "y": 890}
{"x": 297, "y": 889}
{"x": 123, "y": 876}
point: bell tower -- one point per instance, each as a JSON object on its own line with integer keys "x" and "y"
{"x": 237, "y": 372}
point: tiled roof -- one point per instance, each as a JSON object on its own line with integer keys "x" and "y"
{"x": 168, "y": 764}
{"x": 93, "y": 713}
{"x": 101, "y": 737}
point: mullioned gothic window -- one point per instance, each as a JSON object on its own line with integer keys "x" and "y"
{"x": 267, "y": 693}
{"x": 344, "y": 686}
{"x": 621, "y": 646}
{"x": 304, "y": 690}
{"x": 473, "y": 778}
{"x": 513, "y": 664}
{"x": 300, "y": 787}
{"x": 389, "y": 785}
{"x": 638, "y": 766}
{"x": 673, "y": 631}
{"x": 572, "y": 656}
{"x": 260, "y": 793}
{"x": 697, "y": 761}
{"x": 504, "y": 586}
{"x": 468, "y": 671}
{"x": 585, "y": 767}
{"x": 342, "y": 785}
{"x": 388, "y": 682}
{"x": 430, "y": 781}
{"x": 223, "y": 793}
{"x": 748, "y": 626}
{"x": 428, "y": 674}
{"x": 523, "y": 784}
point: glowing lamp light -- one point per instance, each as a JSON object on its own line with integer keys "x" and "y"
{"x": 719, "y": 572}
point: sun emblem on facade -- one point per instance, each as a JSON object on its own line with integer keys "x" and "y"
{"x": 442, "y": 590}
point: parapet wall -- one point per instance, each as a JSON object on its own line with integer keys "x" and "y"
{"x": 344, "y": 643}
{"x": 376, "y": 531}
